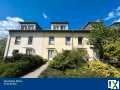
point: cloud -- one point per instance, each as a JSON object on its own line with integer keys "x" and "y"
{"x": 15, "y": 19}
{"x": 45, "y": 15}
{"x": 118, "y": 8}
{"x": 117, "y": 20}
{"x": 9, "y": 23}
{"x": 113, "y": 15}
{"x": 110, "y": 16}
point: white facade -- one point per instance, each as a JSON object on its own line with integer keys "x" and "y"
{"x": 47, "y": 43}
{"x": 36, "y": 44}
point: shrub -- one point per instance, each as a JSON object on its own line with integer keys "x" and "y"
{"x": 24, "y": 57}
{"x": 14, "y": 69}
{"x": 112, "y": 50}
{"x": 52, "y": 73}
{"x": 72, "y": 59}
{"x": 103, "y": 70}
{"x": 20, "y": 66}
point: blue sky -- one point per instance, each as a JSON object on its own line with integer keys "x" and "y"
{"x": 76, "y": 12}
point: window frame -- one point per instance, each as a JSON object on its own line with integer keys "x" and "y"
{"x": 30, "y": 51}
{"x": 51, "y": 40}
{"x": 80, "y": 39}
{"x": 63, "y": 27}
{"x": 66, "y": 40}
{"x": 51, "y": 54}
{"x": 30, "y": 40}
{"x": 17, "y": 40}
{"x": 31, "y": 26}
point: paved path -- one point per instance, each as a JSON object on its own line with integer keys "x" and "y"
{"x": 37, "y": 72}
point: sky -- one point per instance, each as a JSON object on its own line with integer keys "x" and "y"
{"x": 76, "y": 12}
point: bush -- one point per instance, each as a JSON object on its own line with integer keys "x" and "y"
{"x": 52, "y": 73}
{"x": 24, "y": 57}
{"x": 103, "y": 70}
{"x": 112, "y": 50}
{"x": 72, "y": 59}
{"x": 94, "y": 69}
{"x": 14, "y": 69}
{"x": 21, "y": 66}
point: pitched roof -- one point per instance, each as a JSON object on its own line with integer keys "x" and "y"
{"x": 115, "y": 23}
{"x": 91, "y": 23}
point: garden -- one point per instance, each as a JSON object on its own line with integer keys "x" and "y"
{"x": 74, "y": 65}
{"x": 19, "y": 65}
{"x": 106, "y": 41}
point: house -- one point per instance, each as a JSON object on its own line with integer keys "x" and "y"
{"x": 91, "y": 25}
{"x": 31, "y": 39}
{"x": 115, "y": 25}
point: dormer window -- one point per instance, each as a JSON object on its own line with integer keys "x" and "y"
{"x": 59, "y": 26}
{"x": 28, "y": 27}
{"x": 31, "y": 27}
{"x": 63, "y": 27}
{"x": 56, "y": 28}
{"x": 23, "y": 27}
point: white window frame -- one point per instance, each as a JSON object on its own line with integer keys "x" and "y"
{"x": 30, "y": 40}
{"x": 66, "y": 40}
{"x": 63, "y": 27}
{"x": 30, "y": 51}
{"x": 51, "y": 54}
{"x": 51, "y": 40}
{"x": 17, "y": 40}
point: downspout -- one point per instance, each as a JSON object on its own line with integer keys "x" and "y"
{"x": 7, "y": 47}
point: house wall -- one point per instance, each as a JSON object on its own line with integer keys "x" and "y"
{"x": 36, "y": 45}
{"x": 60, "y": 44}
{"x": 41, "y": 43}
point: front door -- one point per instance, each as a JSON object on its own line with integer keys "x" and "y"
{"x": 51, "y": 54}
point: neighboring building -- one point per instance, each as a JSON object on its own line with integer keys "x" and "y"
{"x": 91, "y": 25}
{"x": 115, "y": 25}
{"x": 31, "y": 39}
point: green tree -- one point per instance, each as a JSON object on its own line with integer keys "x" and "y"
{"x": 2, "y": 47}
{"x": 107, "y": 40}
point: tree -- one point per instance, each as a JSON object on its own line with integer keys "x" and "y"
{"x": 106, "y": 40}
{"x": 2, "y": 47}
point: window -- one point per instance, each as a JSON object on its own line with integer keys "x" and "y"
{"x": 51, "y": 54}
{"x": 63, "y": 27}
{"x": 51, "y": 40}
{"x": 56, "y": 27}
{"x": 30, "y": 51}
{"x": 30, "y": 39}
{"x": 80, "y": 40}
{"x": 68, "y": 40}
{"x": 31, "y": 27}
{"x": 17, "y": 40}
{"x": 15, "y": 52}
{"x": 28, "y": 27}
{"x": 23, "y": 27}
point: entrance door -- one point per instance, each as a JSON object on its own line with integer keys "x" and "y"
{"x": 51, "y": 54}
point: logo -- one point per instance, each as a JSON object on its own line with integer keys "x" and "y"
{"x": 113, "y": 84}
